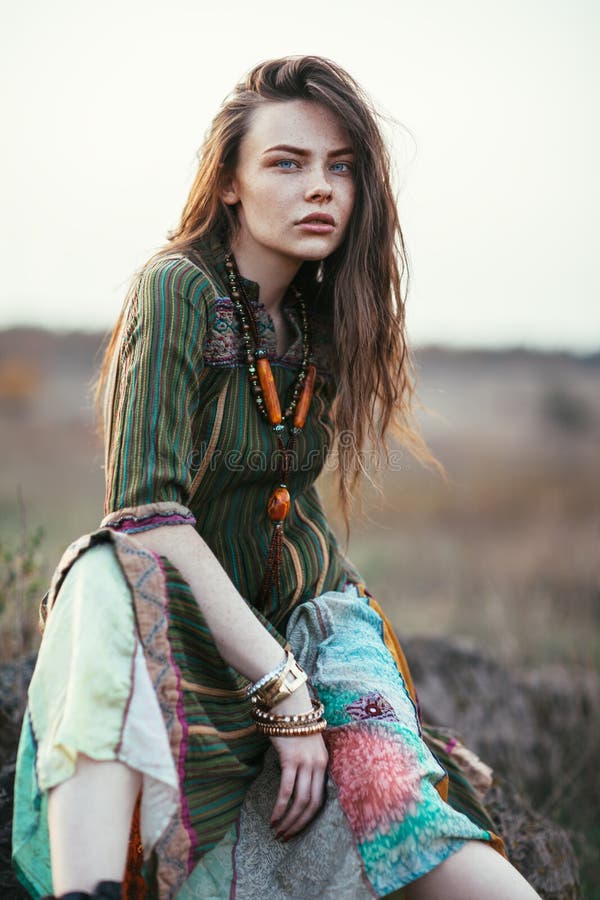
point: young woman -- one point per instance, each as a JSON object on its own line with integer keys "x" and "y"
{"x": 220, "y": 708}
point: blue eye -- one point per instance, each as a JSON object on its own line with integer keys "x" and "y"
{"x": 347, "y": 169}
{"x": 286, "y": 163}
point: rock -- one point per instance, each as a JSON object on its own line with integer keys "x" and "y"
{"x": 14, "y": 678}
{"x": 10, "y": 889}
{"x": 527, "y": 724}
{"x": 538, "y": 730}
{"x": 536, "y": 846}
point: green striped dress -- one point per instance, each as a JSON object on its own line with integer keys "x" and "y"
{"x": 128, "y": 669}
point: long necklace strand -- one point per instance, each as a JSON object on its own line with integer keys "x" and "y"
{"x": 262, "y": 385}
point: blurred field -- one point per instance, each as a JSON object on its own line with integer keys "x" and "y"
{"x": 507, "y": 552}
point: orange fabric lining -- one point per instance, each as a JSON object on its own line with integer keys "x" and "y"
{"x": 134, "y": 885}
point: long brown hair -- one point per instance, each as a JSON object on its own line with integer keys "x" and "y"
{"x": 374, "y": 369}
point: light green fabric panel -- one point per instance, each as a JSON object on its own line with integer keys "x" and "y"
{"x": 93, "y": 611}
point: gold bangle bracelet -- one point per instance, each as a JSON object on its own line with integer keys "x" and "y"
{"x": 264, "y": 715}
{"x": 295, "y": 731}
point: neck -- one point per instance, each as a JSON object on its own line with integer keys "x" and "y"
{"x": 272, "y": 271}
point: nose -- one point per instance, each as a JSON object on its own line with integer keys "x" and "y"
{"x": 320, "y": 189}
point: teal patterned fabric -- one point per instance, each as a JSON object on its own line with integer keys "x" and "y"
{"x": 384, "y": 772}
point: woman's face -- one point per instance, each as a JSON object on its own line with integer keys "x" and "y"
{"x": 295, "y": 162}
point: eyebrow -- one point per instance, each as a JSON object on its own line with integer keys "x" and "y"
{"x": 299, "y": 151}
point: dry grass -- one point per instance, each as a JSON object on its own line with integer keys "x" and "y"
{"x": 506, "y": 552}
{"x": 511, "y": 560}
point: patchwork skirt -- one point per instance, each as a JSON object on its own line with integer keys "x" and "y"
{"x": 127, "y": 670}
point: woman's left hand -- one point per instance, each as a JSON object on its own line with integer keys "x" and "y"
{"x": 303, "y": 761}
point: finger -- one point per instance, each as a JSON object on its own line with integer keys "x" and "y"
{"x": 286, "y": 788}
{"x": 302, "y": 791}
{"x": 314, "y": 805}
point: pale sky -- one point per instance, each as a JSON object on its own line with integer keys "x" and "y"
{"x": 498, "y": 148}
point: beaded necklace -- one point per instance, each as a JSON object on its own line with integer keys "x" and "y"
{"x": 262, "y": 385}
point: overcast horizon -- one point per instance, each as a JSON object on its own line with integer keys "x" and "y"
{"x": 495, "y": 149}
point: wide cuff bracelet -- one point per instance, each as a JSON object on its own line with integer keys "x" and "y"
{"x": 289, "y": 680}
{"x": 254, "y": 688}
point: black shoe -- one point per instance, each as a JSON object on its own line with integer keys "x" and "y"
{"x": 104, "y": 890}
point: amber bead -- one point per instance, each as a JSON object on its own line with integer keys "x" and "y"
{"x": 305, "y": 397}
{"x": 279, "y": 504}
{"x": 267, "y": 383}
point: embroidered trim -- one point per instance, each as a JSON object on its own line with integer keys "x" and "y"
{"x": 224, "y": 345}
{"x": 372, "y": 706}
{"x": 133, "y": 519}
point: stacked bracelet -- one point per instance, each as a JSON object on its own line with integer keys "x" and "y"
{"x": 276, "y": 685}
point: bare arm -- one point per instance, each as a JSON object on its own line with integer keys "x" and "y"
{"x": 245, "y": 644}
{"x": 241, "y": 639}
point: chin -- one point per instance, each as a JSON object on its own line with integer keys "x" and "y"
{"x": 314, "y": 250}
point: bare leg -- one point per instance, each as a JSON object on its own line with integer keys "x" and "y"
{"x": 89, "y": 820}
{"x": 473, "y": 872}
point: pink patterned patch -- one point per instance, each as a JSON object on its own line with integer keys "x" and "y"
{"x": 377, "y": 777}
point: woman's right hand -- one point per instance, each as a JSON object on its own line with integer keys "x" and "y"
{"x": 303, "y": 760}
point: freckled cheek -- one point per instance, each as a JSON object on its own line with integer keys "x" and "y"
{"x": 258, "y": 210}
{"x": 275, "y": 199}
{"x": 282, "y": 205}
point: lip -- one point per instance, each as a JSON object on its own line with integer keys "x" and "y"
{"x": 317, "y": 223}
{"x": 323, "y": 218}
{"x": 318, "y": 217}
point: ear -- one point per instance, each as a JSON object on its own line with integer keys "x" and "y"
{"x": 228, "y": 189}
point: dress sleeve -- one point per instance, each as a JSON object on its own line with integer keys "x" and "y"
{"x": 152, "y": 397}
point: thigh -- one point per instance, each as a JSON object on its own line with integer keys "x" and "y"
{"x": 475, "y": 870}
